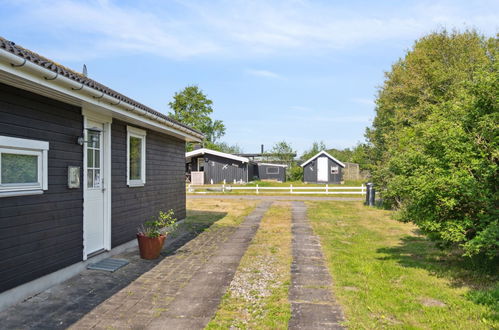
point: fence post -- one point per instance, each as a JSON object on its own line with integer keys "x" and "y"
{"x": 223, "y": 188}
{"x": 327, "y": 189}
{"x": 257, "y": 188}
{"x": 362, "y": 188}
{"x": 290, "y": 188}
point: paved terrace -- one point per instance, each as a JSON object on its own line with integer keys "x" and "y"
{"x": 183, "y": 289}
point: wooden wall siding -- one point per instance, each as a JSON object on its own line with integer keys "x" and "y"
{"x": 311, "y": 176}
{"x": 40, "y": 234}
{"x": 164, "y": 188}
{"x": 219, "y": 168}
{"x": 252, "y": 172}
{"x": 279, "y": 176}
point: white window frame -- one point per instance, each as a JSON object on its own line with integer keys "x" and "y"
{"x": 272, "y": 168}
{"x": 335, "y": 170}
{"x": 19, "y": 146}
{"x": 201, "y": 160}
{"x": 141, "y": 134}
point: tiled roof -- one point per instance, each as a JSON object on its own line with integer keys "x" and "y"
{"x": 33, "y": 57}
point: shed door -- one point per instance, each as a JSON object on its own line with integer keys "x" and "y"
{"x": 94, "y": 191}
{"x": 322, "y": 170}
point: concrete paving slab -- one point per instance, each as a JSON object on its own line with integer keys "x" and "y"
{"x": 314, "y": 316}
{"x": 312, "y": 303}
{"x": 310, "y": 294}
{"x": 199, "y": 299}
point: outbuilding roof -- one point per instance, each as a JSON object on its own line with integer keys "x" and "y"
{"x": 29, "y": 56}
{"x": 203, "y": 151}
{"x": 271, "y": 164}
{"x": 322, "y": 153}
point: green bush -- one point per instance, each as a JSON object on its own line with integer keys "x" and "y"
{"x": 435, "y": 140}
{"x": 295, "y": 173}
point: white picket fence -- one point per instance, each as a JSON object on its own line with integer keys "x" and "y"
{"x": 326, "y": 189}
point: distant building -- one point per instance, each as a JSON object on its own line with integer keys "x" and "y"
{"x": 206, "y": 166}
{"x": 323, "y": 168}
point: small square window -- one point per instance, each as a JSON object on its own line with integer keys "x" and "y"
{"x": 335, "y": 170}
{"x": 272, "y": 170}
{"x": 136, "y": 157}
{"x": 23, "y": 166}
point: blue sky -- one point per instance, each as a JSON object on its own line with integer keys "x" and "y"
{"x": 299, "y": 71}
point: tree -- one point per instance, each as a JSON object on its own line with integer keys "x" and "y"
{"x": 192, "y": 107}
{"x": 435, "y": 142}
{"x": 225, "y": 147}
{"x": 282, "y": 152}
{"x": 316, "y": 148}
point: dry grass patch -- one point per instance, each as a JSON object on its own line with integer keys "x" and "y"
{"x": 258, "y": 295}
{"x": 224, "y": 212}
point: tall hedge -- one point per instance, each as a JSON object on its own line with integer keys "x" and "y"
{"x": 435, "y": 141}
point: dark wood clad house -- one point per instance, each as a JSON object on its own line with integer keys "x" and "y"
{"x": 269, "y": 171}
{"x": 323, "y": 168}
{"x": 81, "y": 167}
{"x": 206, "y": 166}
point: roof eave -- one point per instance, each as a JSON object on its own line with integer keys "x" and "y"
{"x": 25, "y": 69}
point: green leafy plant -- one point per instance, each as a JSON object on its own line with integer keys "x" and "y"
{"x": 159, "y": 225}
{"x": 435, "y": 140}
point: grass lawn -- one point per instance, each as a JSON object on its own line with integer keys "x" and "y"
{"x": 387, "y": 275}
{"x": 258, "y": 295}
{"x": 222, "y": 212}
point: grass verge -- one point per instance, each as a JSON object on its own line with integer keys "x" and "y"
{"x": 387, "y": 275}
{"x": 258, "y": 295}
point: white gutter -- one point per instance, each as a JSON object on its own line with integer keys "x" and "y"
{"x": 92, "y": 96}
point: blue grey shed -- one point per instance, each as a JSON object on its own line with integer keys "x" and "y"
{"x": 322, "y": 168}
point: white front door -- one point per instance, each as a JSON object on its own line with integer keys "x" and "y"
{"x": 94, "y": 212}
{"x": 322, "y": 174}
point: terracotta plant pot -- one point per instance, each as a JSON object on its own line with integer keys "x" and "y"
{"x": 150, "y": 247}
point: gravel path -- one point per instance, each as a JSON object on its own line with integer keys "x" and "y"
{"x": 312, "y": 304}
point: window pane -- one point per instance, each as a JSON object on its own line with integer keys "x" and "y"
{"x": 135, "y": 158}
{"x": 97, "y": 159}
{"x": 90, "y": 158}
{"x": 90, "y": 178}
{"x": 19, "y": 168}
{"x": 96, "y": 179}
{"x": 93, "y": 139}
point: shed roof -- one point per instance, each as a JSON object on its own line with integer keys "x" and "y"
{"x": 60, "y": 70}
{"x": 270, "y": 164}
{"x": 322, "y": 153}
{"x": 202, "y": 151}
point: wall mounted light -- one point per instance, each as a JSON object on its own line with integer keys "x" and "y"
{"x": 81, "y": 140}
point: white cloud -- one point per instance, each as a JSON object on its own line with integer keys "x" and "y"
{"x": 263, "y": 73}
{"x": 183, "y": 29}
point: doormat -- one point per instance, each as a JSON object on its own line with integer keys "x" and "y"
{"x": 108, "y": 265}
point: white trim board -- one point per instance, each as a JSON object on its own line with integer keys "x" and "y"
{"x": 322, "y": 153}
{"x": 269, "y": 164}
{"x": 202, "y": 151}
{"x": 141, "y": 134}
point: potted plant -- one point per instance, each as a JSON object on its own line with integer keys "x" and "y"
{"x": 152, "y": 234}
